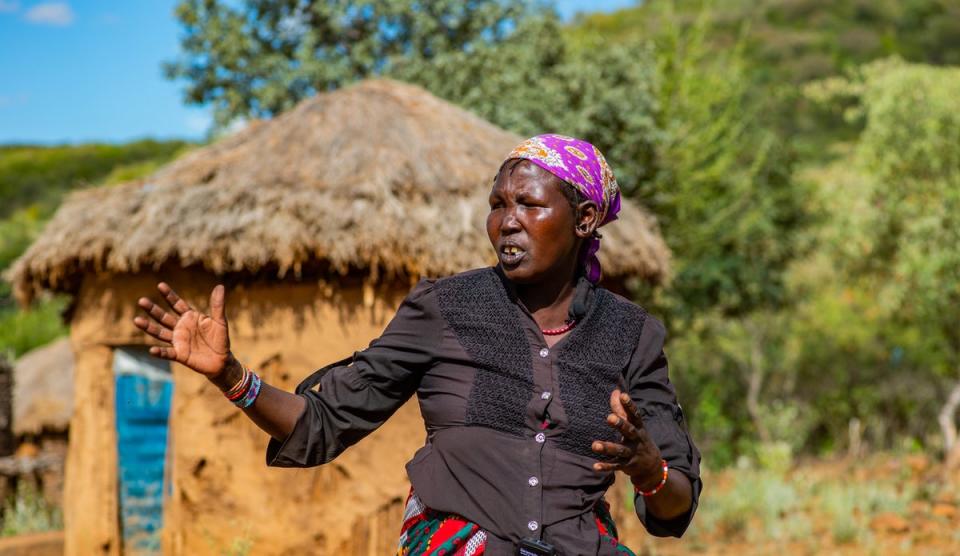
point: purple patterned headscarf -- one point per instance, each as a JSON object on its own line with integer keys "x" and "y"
{"x": 578, "y": 164}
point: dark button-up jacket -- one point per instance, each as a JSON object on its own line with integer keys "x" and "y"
{"x": 509, "y": 420}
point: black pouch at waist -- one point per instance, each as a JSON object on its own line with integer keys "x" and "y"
{"x": 533, "y": 547}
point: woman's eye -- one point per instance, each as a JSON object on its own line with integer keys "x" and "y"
{"x": 529, "y": 201}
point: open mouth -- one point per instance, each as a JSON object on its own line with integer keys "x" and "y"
{"x": 511, "y": 255}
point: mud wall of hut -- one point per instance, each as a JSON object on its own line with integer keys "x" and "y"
{"x": 223, "y": 495}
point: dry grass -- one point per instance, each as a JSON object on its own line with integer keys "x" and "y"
{"x": 881, "y": 505}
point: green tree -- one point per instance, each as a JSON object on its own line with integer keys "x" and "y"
{"x": 729, "y": 204}
{"x": 261, "y": 57}
{"x": 537, "y": 81}
{"x": 910, "y": 246}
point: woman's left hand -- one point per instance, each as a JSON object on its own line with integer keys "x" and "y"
{"x": 637, "y": 456}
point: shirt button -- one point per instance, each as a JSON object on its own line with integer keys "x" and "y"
{"x": 545, "y": 396}
{"x": 533, "y": 481}
{"x": 540, "y": 437}
{"x": 533, "y": 525}
{"x": 544, "y": 352}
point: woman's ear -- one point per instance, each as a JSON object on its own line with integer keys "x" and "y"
{"x": 587, "y": 215}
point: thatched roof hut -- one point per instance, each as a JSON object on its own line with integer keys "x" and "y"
{"x": 43, "y": 389}
{"x": 381, "y": 177}
{"x": 319, "y": 220}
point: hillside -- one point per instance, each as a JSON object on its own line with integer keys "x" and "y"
{"x": 33, "y": 180}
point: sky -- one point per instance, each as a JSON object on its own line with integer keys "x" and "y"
{"x": 90, "y": 70}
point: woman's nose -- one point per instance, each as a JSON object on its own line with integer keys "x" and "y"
{"x": 510, "y": 223}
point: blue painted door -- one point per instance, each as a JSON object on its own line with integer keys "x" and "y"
{"x": 144, "y": 390}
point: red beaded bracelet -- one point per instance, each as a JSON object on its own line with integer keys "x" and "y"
{"x": 656, "y": 489}
{"x": 240, "y": 388}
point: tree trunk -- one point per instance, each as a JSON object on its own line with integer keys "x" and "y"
{"x": 948, "y": 427}
{"x": 755, "y": 385}
{"x": 855, "y": 438}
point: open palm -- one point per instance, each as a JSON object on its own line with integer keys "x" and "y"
{"x": 199, "y": 341}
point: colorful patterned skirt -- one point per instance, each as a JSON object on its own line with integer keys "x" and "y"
{"x": 427, "y": 532}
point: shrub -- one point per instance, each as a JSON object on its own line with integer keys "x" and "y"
{"x": 28, "y": 512}
{"x": 21, "y": 331}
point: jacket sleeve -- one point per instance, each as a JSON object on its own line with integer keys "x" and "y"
{"x": 350, "y": 399}
{"x": 650, "y": 388}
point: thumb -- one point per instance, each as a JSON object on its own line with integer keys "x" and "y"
{"x": 217, "y": 303}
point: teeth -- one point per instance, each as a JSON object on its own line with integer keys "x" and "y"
{"x": 511, "y": 250}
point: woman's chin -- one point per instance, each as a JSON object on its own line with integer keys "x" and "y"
{"x": 514, "y": 272}
{"x": 521, "y": 273}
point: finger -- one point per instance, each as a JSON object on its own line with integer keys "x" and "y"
{"x": 176, "y": 303}
{"x": 615, "y": 404}
{"x": 164, "y": 353}
{"x": 633, "y": 413}
{"x": 603, "y": 467}
{"x": 153, "y": 329}
{"x": 625, "y": 427}
{"x": 612, "y": 449}
{"x": 217, "y": 303}
{"x": 157, "y": 312}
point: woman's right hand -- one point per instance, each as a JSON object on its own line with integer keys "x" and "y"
{"x": 191, "y": 338}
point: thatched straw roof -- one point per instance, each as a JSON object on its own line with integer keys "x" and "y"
{"x": 381, "y": 177}
{"x": 43, "y": 389}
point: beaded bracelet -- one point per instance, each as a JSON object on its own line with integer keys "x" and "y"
{"x": 656, "y": 489}
{"x": 240, "y": 388}
{"x": 246, "y": 390}
{"x": 251, "y": 393}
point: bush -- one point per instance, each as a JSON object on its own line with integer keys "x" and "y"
{"x": 21, "y": 331}
{"x": 760, "y": 505}
{"x": 28, "y": 512}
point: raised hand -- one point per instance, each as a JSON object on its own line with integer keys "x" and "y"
{"x": 199, "y": 341}
{"x": 637, "y": 456}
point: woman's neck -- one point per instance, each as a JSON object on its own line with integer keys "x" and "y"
{"x": 548, "y": 302}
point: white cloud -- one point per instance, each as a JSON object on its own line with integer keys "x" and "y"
{"x": 51, "y": 13}
{"x": 9, "y": 6}
{"x": 198, "y": 123}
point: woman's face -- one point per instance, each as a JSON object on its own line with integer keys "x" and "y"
{"x": 532, "y": 226}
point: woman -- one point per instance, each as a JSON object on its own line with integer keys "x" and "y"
{"x": 535, "y": 384}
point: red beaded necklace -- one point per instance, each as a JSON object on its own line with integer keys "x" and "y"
{"x": 558, "y": 331}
